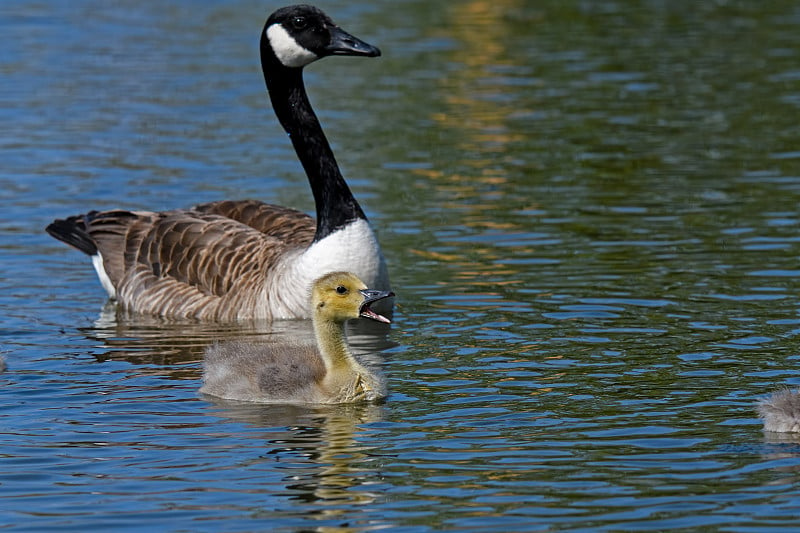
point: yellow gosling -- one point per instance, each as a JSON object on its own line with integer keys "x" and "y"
{"x": 323, "y": 374}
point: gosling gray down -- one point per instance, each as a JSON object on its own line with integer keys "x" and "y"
{"x": 780, "y": 411}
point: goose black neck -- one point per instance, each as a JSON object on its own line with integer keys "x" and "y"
{"x": 335, "y": 204}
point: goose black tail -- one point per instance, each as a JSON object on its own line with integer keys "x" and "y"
{"x": 73, "y": 231}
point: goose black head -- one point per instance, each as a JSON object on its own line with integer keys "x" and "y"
{"x": 298, "y": 35}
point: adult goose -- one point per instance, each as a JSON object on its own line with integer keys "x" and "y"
{"x": 326, "y": 373}
{"x": 232, "y": 260}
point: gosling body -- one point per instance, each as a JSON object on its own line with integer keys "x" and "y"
{"x": 326, "y": 373}
{"x": 780, "y": 411}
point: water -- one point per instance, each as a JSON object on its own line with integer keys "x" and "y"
{"x": 590, "y": 213}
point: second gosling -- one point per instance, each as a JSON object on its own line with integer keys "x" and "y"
{"x": 780, "y": 411}
{"x": 323, "y": 374}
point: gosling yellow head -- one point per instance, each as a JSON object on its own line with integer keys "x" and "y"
{"x": 340, "y": 296}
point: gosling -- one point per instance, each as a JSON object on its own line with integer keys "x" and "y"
{"x": 323, "y": 374}
{"x": 781, "y": 411}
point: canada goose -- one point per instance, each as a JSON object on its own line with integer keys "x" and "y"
{"x": 231, "y": 260}
{"x": 325, "y": 373}
{"x": 781, "y": 411}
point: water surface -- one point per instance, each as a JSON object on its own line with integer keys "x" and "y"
{"x": 590, "y": 213}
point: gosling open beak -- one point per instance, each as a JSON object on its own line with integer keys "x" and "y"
{"x": 371, "y": 296}
{"x": 344, "y": 44}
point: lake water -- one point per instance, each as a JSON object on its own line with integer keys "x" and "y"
{"x": 590, "y": 215}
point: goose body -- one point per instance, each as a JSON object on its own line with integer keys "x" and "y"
{"x": 323, "y": 374}
{"x": 231, "y": 260}
{"x": 780, "y": 411}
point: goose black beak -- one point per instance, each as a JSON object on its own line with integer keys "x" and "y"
{"x": 344, "y": 44}
{"x": 372, "y": 296}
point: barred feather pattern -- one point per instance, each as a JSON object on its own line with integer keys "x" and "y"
{"x": 212, "y": 262}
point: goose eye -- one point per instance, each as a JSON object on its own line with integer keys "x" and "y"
{"x": 299, "y": 23}
{"x": 341, "y": 290}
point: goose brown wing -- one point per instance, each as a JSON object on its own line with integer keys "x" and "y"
{"x": 289, "y": 225}
{"x": 209, "y": 252}
{"x": 183, "y": 263}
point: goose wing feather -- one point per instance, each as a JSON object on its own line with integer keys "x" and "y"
{"x": 288, "y": 225}
{"x": 183, "y": 263}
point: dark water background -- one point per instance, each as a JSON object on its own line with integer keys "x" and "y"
{"x": 590, "y": 213}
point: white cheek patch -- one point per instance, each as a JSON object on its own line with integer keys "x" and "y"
{"x": 286, "y": 49}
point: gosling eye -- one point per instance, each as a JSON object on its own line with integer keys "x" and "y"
{"x": 299, "y": 23}
{"x": 341, "y": 289}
